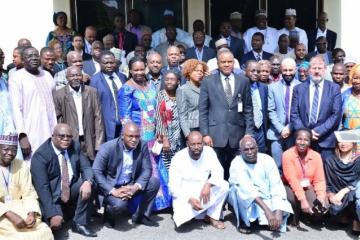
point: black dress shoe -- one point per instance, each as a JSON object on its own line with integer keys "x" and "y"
{"x": 109, "y": 219}
{"x": 83, "y": 230}
{"x": 144, "y": 221}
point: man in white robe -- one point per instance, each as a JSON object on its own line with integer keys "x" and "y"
{"x": 256, "y": 190}
{"x": 196, "y": 182}
{"x": 30, "y": 91}
{"x": 20, "y": 215}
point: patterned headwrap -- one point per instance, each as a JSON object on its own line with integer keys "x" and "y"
{"x": 10, "y": 139}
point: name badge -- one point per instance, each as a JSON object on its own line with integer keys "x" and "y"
{"x": 305, "y": 182}
{"x": 240, "y": 106}
{"x": 8, "y": 198}
{"x": 150, "y": 107}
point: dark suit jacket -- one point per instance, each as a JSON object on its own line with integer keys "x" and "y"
{"x": 109, "y": 160}
{"x": 314, "y": 53}
{"x": 330, "y": 37}
{"x": 329, "y": 116}
{"x": 98, "y": 81}
{"x": 89, "y": 67}
{"x": 130, "y": 41}
{"x": 93, "y": 126}
{"x": 219, "y": 121}
{"x": 46, "y": 175}
{"x": 250, "y": 56}
{"x": 263, "y": 90}
{"x": 236, "y": 46}
{"x": 208, "y": 53}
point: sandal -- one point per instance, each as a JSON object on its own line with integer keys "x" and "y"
{"x": 216, "y": 223}
{"x": 244, "y": 230}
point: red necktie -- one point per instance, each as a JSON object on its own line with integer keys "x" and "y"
{"x": 65, "y": 185}
{"x": 121, "y": 40}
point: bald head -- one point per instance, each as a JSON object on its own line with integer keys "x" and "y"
{"x": 249, "y": 149}
{"x": 195, "y": 145}
{"x": 288, "y": 69}
{"x": 74, "y": 58}
{"x": 62, "y": 136}
{"x": 131, "y": 135}
{"x": 338, "y": 73}
{"x": 24, "y": 42}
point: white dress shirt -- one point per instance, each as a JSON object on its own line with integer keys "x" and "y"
{"x": 59, "y": 155}
{"x": 79, "y": 109}
{"x": 97, "y": 66}
{"x": 270, "y": 37}
{"x": 231, "y": 81}
{"x": 311, "y": 96}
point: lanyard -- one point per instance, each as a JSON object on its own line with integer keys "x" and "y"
{"x": 302, "y": 168}
{"x": 6, "y": 180}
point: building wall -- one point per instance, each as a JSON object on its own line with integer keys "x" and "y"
{"x": 24, "y": 19}
{"x": 333, "y": 9}
{"x": 196, "y": 10}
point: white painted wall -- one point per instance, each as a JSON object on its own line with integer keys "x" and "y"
{"x": 24, "y": 19}
{"x": 196, "y": 10}
{"x": 350, "y": 33}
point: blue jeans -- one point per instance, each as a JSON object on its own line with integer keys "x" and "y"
{"x": 278, "y": 147}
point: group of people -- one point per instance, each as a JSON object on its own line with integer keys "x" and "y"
{"x": 148, "y": 121}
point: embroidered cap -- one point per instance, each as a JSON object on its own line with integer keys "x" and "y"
{"x": 260, "y": 12}
{"x": 290, "y": 12}
{"x": 168, "y": 12}
{"x": 220, "y": 42}
{"x": 10, "y": 139}
{"x": 235, "y": 15}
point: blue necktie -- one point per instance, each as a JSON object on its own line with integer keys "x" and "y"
{"x": 314, "y": 107}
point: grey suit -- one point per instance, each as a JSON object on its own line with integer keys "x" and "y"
{"x": 277, "y": 117}
{"x": 187, "y": 100}
{"x": 223, "y": 123}
{"x": 107, "y": 167}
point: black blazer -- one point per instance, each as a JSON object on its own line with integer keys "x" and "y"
{"x": 250, "y": 56}
{"x": 46, "y": 175}
{"x": 130, "y": 41}
{"x": 208, "y": 53}
{"x": 109, "y": 160}
{"x": 331, "y": 37}
{"x": 236, "y": 46}
{"x": 219, "y": 121}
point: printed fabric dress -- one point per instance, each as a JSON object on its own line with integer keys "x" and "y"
{"x": 139, "y": 105}
{"x": 168, "y": 124}
{"x": 351, "y": 117}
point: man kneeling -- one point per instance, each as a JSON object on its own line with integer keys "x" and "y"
{"x": 196, "y": 181}
{"x": 256, "y": 190}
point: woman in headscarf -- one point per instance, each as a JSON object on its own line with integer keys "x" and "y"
{"x": 341, "y": 181}
{"x": 303, "y": 71}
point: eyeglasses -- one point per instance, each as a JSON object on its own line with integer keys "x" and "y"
{"x": 63, "y": 136}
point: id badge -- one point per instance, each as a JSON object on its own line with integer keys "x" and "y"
{"x": 150, "y": 107}
{"x": 240, "y": 106}
{"x": 8, "y": 198}
{"x": 305, "y": 182}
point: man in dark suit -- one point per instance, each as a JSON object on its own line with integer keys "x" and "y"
{"x": 123, "y": 39}
{"x": 259, "y": 96}
{"x": 321, "y": 44}
{"x": 321, "y": 30}
{"x": 236, "y": 45}
{"x": 107, "y": 83}
{"x": 78, "y": 46}
{"x": 173, "y": 63}
{"x": 225, "y": 110}
{"x": 92, "y": 65}
{"x": 316, "y": 104}
{"x": 122, "y": 171}
{"x": 200, "y": 51}
{"x": 257, "y": 53}
{"x": 63, "y": 180}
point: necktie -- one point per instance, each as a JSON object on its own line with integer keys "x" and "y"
{"x": 115, "y": 90}
{"x": 65, "y": 182}
{"x": 314, "y": 107}
{"x": 228, "y": 92}
{"x": 258, "y": 57}
{"x": 287, "y": 103}
{"x": 258, "y": 116}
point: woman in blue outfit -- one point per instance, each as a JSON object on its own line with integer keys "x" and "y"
{"x": 137, "y": 103}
